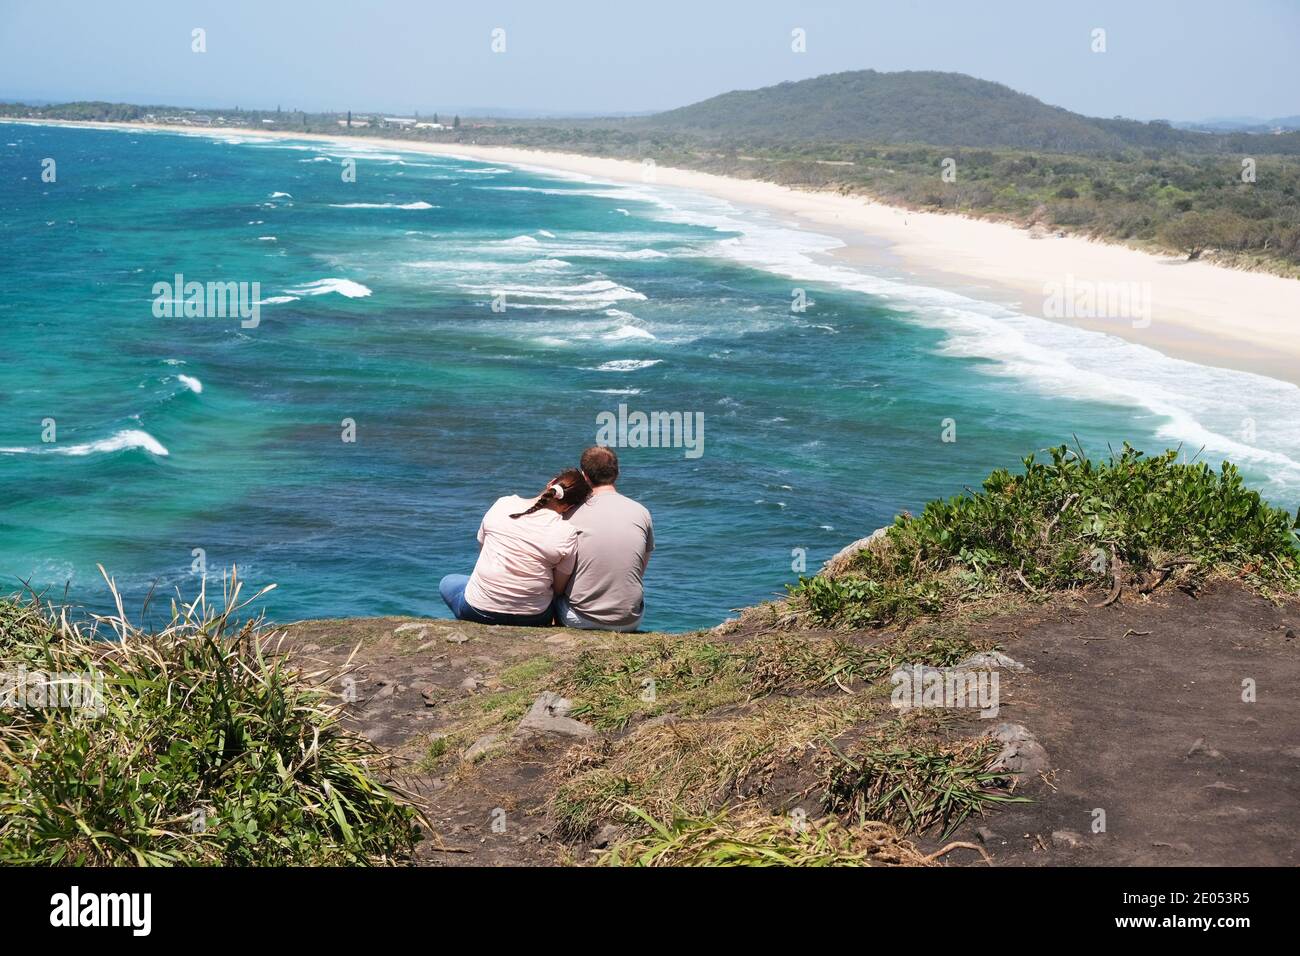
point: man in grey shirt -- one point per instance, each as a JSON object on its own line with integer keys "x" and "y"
{"x": 615, "y": 538}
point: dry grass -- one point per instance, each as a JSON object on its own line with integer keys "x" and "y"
{"x": 748, "y": 835}
{"x": 698, "y": 765}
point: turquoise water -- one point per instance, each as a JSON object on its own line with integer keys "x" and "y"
{"x": 176, "y": 434}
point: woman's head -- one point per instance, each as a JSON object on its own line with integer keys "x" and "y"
{"x": 562, "y": 493}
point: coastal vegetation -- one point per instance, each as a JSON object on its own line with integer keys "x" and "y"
{"x": 1062, "y": 525}
{"x": 189, "y": 745}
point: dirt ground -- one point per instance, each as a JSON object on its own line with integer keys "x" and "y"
{"x": 1154, "y": 755}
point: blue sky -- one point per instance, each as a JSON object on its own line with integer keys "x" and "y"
{"x": 1174, "y": 59}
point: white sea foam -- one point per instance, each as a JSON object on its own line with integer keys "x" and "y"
{"x": 124, "y": 440}
{"x": 344, "y": 287}
{"x": 279, "y": 196}
{"x": 266, "y": 239}
{"x": 278, "y": 300}
{"x": 596, "y": 294}
{"x": 627, "y": 332}
{"x": 190, "y": 382}
{"x": 625, "y": 365}
{"x": 382, "y": 205}
{"x": 615, "y": 391}
{"x": 625, "y": 254}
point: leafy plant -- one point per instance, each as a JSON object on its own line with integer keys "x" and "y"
{"x": 203, "y": 748}
{"x": 1066, "y": 524}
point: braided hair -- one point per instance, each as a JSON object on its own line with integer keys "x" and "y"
{"x": 569, "y": 486}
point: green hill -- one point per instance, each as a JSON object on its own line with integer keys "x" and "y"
{"x": 914, "y": 107}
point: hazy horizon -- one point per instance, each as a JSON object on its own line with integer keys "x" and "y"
{"x": 402, "y": 56}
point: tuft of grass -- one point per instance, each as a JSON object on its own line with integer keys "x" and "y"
{"x": 203, "y": 749}
{"x": 1068, "y": 524}
{"x": 749, "y": 836}
{"x": 695, "y": 766}
{"x": 915, "y": 784}
{"x": 439, "y": 748}
{"x": 791, "y": 662}
{"x": 612, "y": 686}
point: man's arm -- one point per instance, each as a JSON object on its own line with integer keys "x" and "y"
{"x": 649, "y": 543}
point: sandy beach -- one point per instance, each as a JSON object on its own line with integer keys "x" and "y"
{"x": 1191, "y": 310}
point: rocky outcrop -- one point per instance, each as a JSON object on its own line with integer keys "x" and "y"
{"x": 845, "y": 556}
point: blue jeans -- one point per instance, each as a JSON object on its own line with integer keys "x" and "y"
{"x": 568, "y": 617}
{"x": 452, "y": 588}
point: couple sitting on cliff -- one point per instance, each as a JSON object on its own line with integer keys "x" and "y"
{"x": 575, "y": 555}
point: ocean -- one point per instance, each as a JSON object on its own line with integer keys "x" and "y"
{"x": 468, "y": 326}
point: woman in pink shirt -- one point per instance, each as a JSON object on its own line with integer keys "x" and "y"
{"x": 526, "y": 554}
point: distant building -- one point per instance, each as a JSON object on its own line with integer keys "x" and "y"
{"x": 429, "y": 126}
{"x": 399, "y": 121}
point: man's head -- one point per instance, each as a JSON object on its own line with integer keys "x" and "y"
{"x": 600, "y": 465}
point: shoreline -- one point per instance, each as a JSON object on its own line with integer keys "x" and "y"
{"x": 1196, "y": 311}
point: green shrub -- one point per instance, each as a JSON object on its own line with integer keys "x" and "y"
{"x": 201, "y": 750}
{"x": 1059, "y": 526}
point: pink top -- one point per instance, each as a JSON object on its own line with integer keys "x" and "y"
{"x": 515, "y": 570}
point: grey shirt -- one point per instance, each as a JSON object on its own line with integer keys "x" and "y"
{"x": 615, "y": 538}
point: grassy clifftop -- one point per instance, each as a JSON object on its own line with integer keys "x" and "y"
{"x": 774, "y": 739}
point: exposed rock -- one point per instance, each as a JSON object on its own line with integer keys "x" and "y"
{"x": 550, "y": 715}
{"x": 1220, "y": 785}
{"x": 607, "y": 835}
{"x": 988, "y": 660}
{"x": 482, "y": 747}
{"x": 1199, "y": 748}
{"x": 986, "y": 835}
{"x": 845, "y": 555}
{"x": 456, "y": 637}
{"x": 469, "y": 685}
{"x": 1021, "y": 754}
{"x": 1066, "y": 840}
